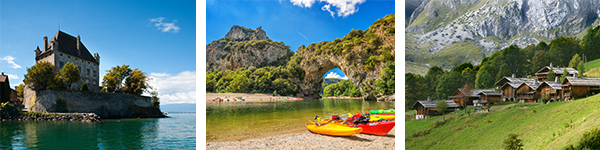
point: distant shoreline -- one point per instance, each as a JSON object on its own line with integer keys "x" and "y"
{"x": 248, "y": 97}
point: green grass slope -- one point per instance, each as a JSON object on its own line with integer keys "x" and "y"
{"x": 549, "y": 126}
{"x": 592, "y": 68}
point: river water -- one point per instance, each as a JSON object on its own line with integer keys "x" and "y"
{"x": 235, "y": 121}
{"x": 177, "y": 132}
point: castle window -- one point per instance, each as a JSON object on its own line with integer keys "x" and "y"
{"x": 68, "y": 56}
{"x": 61, "y": 54}
{"x": 88, "y": 71}
{"x": 79, "y": 68}
{"x": 75, "y": 58}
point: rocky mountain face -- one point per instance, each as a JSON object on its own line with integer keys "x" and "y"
{"x": 442, "y": 29}
{"x": 361, "y": 55}
{"x": 243, "y": 47}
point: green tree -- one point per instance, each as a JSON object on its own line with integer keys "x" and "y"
{"x": 574, "y": 63}
{"x": 136, "y": 83}
{"x": 484, "y": 79}
{"x": 70, "y": 74}
{"x": 415, "y": 89}
{"x": 431, "y": 80}
{"x": 539, "y": 60}
{"x": 239, "y": 84}
{"x": 441, "y": 106}
{"x": 512, "y": 142}
{"x": 114, "y": 78}
{"x": 84, "y": 87}
{"x": 580, "y": 68}
{"x": 551, "y": 75}
{"x": 20, "y": 90}
{"x": 211, "y": 81}
{"x": 155, "y": 100}
{"x": 591, "y": 44}
{"x": 563, "y": 76}
{"x": 562, "y": 48}
{"x": 449, "y": 83}
{"x": 41, "y": 76}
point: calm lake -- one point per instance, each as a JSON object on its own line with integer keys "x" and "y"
{"x": 177, "y": 132}
{"x": 235, "y": 121}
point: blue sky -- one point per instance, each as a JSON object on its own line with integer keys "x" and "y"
{"x": 157, "y": 37}
{"x": 295, "y": 22}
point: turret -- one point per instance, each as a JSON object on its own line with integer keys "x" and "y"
{"x": 97, "y": 57}
{"x": 37, "y": 51}
{"x": 45, "y": 43}
{"x": 78, "y": 45}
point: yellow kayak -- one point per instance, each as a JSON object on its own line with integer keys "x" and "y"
{"x": 386, "y": 117}
{"x": 334, "y": 129}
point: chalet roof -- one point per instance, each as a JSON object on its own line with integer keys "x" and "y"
{"x": 533, "y": 85}
{"x": 514, "y": 85}
{"x": 490, "y": 93}
{"x": 68, "y": 44}
{"x": 431, "y": 104}
{"x": 552, "y": 84}
{"x": 504, "y": 80}
{"x": 556, "y": 70}
{"x": 582, "y": 81}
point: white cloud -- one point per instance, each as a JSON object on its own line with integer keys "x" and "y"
{"x": 10, "y": 61}
{"x": 344, "y": 8}
{"x": 303, "y": 3}
{"x": 165, "y": 26}
{"x": 335, "y": 75}
{"x": 12, "y": 76}
{"x": 180, "y": 88}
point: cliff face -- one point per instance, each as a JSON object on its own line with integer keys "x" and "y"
{"x": 490, "y": 25}
{"x": 243, "y": 47}
{"x": 360, "y": 54}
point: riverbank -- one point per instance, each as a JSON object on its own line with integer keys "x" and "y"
{"x": 249, "y": 97}
{"x": 341, "y": 97}
{"x": 308, "y": 140}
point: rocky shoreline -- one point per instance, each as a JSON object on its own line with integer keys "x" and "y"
{"x": 83, "y": 117}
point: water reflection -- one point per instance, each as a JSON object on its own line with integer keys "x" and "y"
{"x": 227, "y": 121}
{"x": 108, "y": 134}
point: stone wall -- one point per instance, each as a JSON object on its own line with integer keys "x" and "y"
{"x": 106, "y": 105}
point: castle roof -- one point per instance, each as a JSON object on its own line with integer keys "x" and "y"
{"x": 68, "y": 44}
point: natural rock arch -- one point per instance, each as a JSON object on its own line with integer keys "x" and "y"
{"x": 316, "y": 66}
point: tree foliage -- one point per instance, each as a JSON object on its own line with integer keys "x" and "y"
{"x": 19, "y": 90}
{"x": 551, "y": 75}
{"x": 512, "y": 142}
{"x": 70, "y": 74}
{"x": 114, "y": 78}
{"x": 441, "y": 106}
{"x": 342, "y": 88}
{"x": 41, "y": 76}
{"x": 136, "y": 81}
{"x": 155, "y": 100}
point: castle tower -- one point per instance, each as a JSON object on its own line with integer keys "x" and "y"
{"x": 45, "y": 43}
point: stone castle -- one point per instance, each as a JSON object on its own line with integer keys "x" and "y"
{"x": 63, "y": 48}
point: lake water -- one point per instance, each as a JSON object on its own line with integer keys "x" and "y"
{"x": 229, "y": 121}
{"x": 177, "y": 132}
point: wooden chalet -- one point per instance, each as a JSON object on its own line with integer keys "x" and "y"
{"x": 427, "y": 108}
{"x": 509, "y": 91}
{"x": 464, "y": 98}
{"x": 578, "y": 87}
{"x": 526, "y": 92}
{"x": 552, "y": 89}
{"x": 542, "y": 74}
{"x": 488, "y": 97}
{"x": 513, "y": 80}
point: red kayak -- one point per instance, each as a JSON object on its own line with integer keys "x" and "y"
{"x": 377, "y": 128}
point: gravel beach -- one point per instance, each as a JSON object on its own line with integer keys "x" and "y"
{"x": 308, "y": 140}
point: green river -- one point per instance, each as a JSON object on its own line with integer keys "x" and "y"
{"x": 235, "y": 121}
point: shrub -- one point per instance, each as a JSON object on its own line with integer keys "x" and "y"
{"x": 589, "y": 140}
{"x": 8, "y": 109}
{"x": 512, "y": 142}
{"x": 84, "y": 87}
{"x": 437, "y": 124}
{"x": 421, "y": 133}
{"x": 61, "y": 105}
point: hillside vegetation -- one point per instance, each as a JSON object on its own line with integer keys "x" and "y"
{"x": 541, "y": 126}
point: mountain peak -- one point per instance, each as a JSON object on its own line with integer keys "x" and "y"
{"x": 239, "y": 32}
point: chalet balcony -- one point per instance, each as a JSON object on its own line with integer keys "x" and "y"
{"x": 525, "y": 97}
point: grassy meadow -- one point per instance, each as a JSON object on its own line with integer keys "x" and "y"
{"x": 540, "y": 126}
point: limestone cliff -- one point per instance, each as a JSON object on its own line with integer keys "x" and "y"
{"x": 360, "y": 54}
{"x": 442, "y": 30}
{"x": 242, "y": 47}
